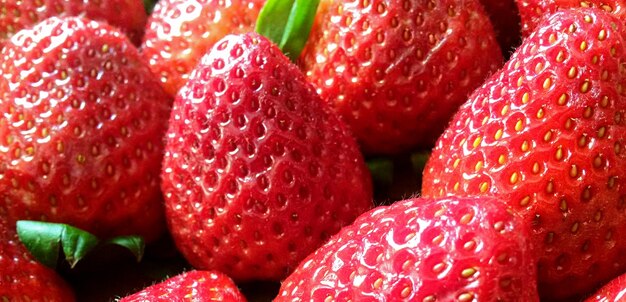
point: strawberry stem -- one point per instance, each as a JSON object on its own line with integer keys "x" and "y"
{"x": 288, "y": 24}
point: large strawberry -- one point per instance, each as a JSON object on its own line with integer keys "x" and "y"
{"x": 180, "y": 32}
{"x": 397, "y": 70}
{"x": 547, "y": 134}
{"x": 533, "y": 11}
{"x": 21, "y": 278}
{"x": 82, "y": 120}
{"x": 614, "y": 291}
{"x": 258, "y": 172}
{"x": 421, "y": 250}
{"x": 128, "y": 15}
{"x": 190, "y": 286}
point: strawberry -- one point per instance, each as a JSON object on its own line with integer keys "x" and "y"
{"x": 128, "y": 15}
{"x": 547, "y": 135}
{"x": 82, "y": 120}
{"x": 421, "y": 250}
{"x": 397, "y": 70}
{"x": 180, "y": 32}
{"x": 258, "y": 172}
{"x": 614, "y": 291}
{"x": 505, "y": 18}
{"x": 532, "y": 11}
{"x": 21, "y": 278}
{"x": 190, "y": 286}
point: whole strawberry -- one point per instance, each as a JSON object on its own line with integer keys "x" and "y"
{"x": 547, "y": 135}
{"x": 533, "y": 11}
{"x": 190, "y": 286}
{"x": 128, "y": 15}
{"x": 22, "y": 279}
{"x": 257, "y": 172}
{"x": 82, "y": 122}
{"x": 421, "y": 250}
{"x": 397, "y": 70}
{"x": 180, "y": 32}
{"x": 614, "y": 291}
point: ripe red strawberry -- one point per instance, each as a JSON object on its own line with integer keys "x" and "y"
{"x": 128, "y": 15}
{"x": 22, "y": 278}
{"x": 614, "y": 291}
{"x": 533, "y": 11}
{"x": 421, "y": 250}
{"x": 180, "y": 32}
{"x": 547, "y": 134}
{"x": 82, "y": 121}
{"x": 397, "y": 70}
{"x": 505, "y": 18}
{"x": 190, "y": 286}
{"x": 257, "y": 171}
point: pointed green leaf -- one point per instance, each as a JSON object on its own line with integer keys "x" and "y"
{"x": 381, "y": 170}
{"x": 41, "y": 239}
{"x": 288, "y": 24}
{"x": 77, "y": 244}
{"x": 135, "y": 244}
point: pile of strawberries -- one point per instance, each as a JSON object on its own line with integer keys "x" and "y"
{"x": 188, "y": 123}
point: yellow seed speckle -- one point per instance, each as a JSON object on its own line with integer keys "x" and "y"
{"x": 547, "y": 83}
{"x": 601, "y": 132}
{"x": 520, "y": 81}
{"x": 504, "y": 110}
{"x": 477, "y": 142}
{"x": 502, "y": 159}
{"x": 468, "y": 272}
{"x": 575, "y": 228}
{"x": 588, "y": 112}
{"x": 525, "y": 98}
{"x": 602, "y": 35}
{"x": 406, "y": 292}
{"x": 514, "y": 178}
{"x": 498, "y": 134}
{"x": 583, "y": 45}
{"x": 562, "y": 99}
{"x": 466, "y": 297}
{"x": 560, "y": 57}
{"x": 378, "y": 283}
{"x": 558, "y": 154}
{"x": 525, "y": 201}
{"x": 573, "y": 171}
{"x": 484, "y": 186}
{"x": 550, "y": 187}
{"x": 456, "y": 163}
{"x": 465, "y": 219}
{"x": 80, "y": 159}
{"x": 478, "y": 166}
{"x": 572, "y": 72}
{"x": 457, "y": 185}
{"x": 525, "y": 146}
{"x": 547, "y": 136}
{"x": 536, "y": 167}
{"x": 584, "y": 88}
{"x": 563, "y": 205}
{"x": 519, "y": 125}
{"x": 540, "y": 113}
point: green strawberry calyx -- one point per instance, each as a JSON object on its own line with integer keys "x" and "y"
{"x": 288, "y": 24}
{"x": 45, "y": 239}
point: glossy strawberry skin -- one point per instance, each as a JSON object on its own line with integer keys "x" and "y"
{"x": 22, "y": 279}
{"x": 547, "y": 135}
{"x": 258, "y": 172}
{"x": 505, "y": 18}
{"x": 614, "y": 291}
{"x": 82, "y": 122}
{"x": 190, "y": 286}
{"x": 128, "y": 15}
{"x": 533, "y": 11}
{"x": 397, "y": 70}
{"x": 421, "y": 250}
{"x": 180, "y": 32}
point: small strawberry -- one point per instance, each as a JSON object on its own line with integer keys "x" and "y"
{"x": 533, "y": 11}
{"x": 180, "y": 32}
{"x": 421, "y": 250}
{"x": 128, "y": 15}
{"x": 397, "y": 70}
{"x": 547, "y": 135}
{"x": 21, "y": 278}
{"x": 257, "y": 171}
{"x": 82, "y": 120}
{"x": 614, "y": 291}
{"x": 190, "y": 286}
{"x": 505, "y": 18}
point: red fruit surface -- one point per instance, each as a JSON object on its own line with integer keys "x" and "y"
{"x": 533, "y": 11}
{"x": 547, "y": 135}
{"x": 22, "y": 279}
{"x": 421, "y": 250}
{"x": 190, "y": 286}
{"x": 180, "y": 32}
{"x": 614, "y": 291}
{"x": 505, "y": 18}
{"x": 258, "y": 172}
{"x": 128, "y": 15}
{"x": 397, "y": 70}
{"x": 82, "y": 123}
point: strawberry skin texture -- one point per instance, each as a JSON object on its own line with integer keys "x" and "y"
{"x": 190, "y": 286}
{"x": 546, "y": 134}
{"x": 533, "y": 11}
{"x": 81, "y": 127}
{"x": 396, "y": 71}
{"x": 258, "y": 172}
{"x": 128, "y": 15}
{"x": 614, "y": 291}
{"x": 22, "y": 279}
{"x": 421, "y": 250}
{"x": 180, "y": 32}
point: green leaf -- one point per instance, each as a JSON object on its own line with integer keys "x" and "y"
{"x": 43, "y": 240}
{"x": 419, "y": 161}
{"x": 288, "y": 24}
{"x": 149, "y": 5}
{"x": 381, "y": 170}
{"x": 135, "y": 244}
